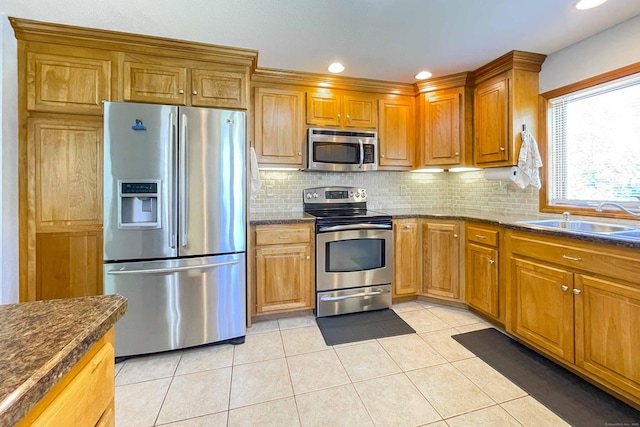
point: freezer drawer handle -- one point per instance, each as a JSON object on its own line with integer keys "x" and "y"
{"x": 359, "y": 295}
{"x": 173, "y": 270}
{"x": 355, "y": 227}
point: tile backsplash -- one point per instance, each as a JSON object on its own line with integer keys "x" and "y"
{"x": 282, "y": 191}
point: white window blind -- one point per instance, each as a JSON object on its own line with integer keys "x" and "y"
{"x": 594, "y": 145}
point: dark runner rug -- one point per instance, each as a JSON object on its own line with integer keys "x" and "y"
{"x": 362, "y": 326}
{"x": 575, "y": 400}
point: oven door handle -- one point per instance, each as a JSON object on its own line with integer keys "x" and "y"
{"x": 358, "y": 295}
{"x": 354, "y": 227}
{"x": 361, "y": 153}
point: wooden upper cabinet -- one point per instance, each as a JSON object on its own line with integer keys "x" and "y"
{"x": 353, "y": 111}
{"x": 223, "y": 89}
{"x": 396, "y": 132}
{"x": 324, "y": 109}
{"x": 442, "y": 127}
{"x": 505, "y": 98}
{"x": 61, "y": 83}
{"x": 406, "y": 257}
{"x": 492, "y": 121}
{"x": 279, "y": 126}
{"x": 155, "y": 83}
{"x": 360, "y": 112}
{"x": 66, "y": 167}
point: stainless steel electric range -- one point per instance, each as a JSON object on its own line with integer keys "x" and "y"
{"x": 354, "y": 251}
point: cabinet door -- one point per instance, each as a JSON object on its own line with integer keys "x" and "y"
{"x": 279, "y": 126}
{"x": 68, "y": 265}
{"x": 66, "y": 162}
{"x": 67, "y": 84}
{"x": 324, "y": 109}
{"x": 441, "y": 259}
{"x": 154, "y": 83}
{"x": 482, "y": 278}
{"x": 406, "y": 273}
{"x": 608, "y": 331}
{"x": 491, "y": 121}
{"x": 360, "y": 112}
{"x": 543, "y": 306}
{"x": 223, "y": 89}
{"x": 442, "y": 112}
{"x": 396, "y": 132}
{"x": 283, "y": 277}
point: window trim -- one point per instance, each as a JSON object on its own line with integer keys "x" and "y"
{"x": 543, "y": 132}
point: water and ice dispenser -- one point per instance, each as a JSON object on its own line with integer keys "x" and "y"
{"x": 139, "y": 204}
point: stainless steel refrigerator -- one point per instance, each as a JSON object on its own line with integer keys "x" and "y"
{"x": 175, "y": 225}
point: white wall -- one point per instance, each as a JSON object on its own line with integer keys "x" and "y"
{"x": 610, "y": 49}
{"x": 8, "y": 164}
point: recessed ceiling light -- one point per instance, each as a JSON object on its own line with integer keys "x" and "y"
{"x": 588, "y": 4}
{"x": 336, "y": 67}
{"x": 423, "y": 75}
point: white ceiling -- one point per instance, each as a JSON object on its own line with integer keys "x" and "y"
{"x": 378, "y": 39}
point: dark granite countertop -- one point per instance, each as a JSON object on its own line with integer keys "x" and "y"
{"x": 506, "y": 221}
{"x": 41, "y": 341}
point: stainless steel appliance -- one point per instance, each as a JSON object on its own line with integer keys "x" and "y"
{"x": 175, "y": 224}
{"x": 354, "y": 251}
{"x": 342, "y": 151}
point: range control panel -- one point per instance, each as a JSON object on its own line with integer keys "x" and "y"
{"x": 328, "y": 195}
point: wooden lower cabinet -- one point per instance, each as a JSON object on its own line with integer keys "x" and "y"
{"x": 283, "y": 268}
{"x": 543, "y": 304}
{"x": 406, "y": 257}
{"x": 482, "y": 270}
{"x": 84, "y": 396}
{"x": 441, "y": 259}
{"x": 607, "y": 331}
{"x": 579, "y": 303}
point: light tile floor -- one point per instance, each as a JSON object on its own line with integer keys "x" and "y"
{"x": 285, "y": 375}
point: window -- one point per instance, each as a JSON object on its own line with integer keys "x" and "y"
{"x": 593, "y": 146}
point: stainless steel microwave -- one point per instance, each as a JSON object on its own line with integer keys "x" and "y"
{"x": 342, "y": 151}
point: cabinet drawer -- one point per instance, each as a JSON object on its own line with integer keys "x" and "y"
{"x": 270, "y": 235}
{"x": 482, "y": 235}
{"x": 598, "y": 259}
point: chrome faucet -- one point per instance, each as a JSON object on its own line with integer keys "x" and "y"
{"x": 566, "y": 216}
{"x": 619, "y": 206}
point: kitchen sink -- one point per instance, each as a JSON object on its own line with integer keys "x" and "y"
{"x": 584, "y": 227}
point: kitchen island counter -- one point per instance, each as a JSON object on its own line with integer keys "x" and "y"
{"x": 41, "y": 341}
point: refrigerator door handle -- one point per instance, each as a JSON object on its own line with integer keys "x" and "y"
{"x": 183, "y": 179}
{"x": 172, "y": 269}
{"x": 171, "y": 186}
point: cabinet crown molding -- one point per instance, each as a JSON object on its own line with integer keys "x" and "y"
{"x": 44, "y": 32}
{"x": 445, "y": 82}
{"x": 514, "y": 60}
{"x": 299, "y": 78}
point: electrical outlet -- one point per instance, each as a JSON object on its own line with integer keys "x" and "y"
{"x": 403, "y": 190}
{"x": 269, "y": 190}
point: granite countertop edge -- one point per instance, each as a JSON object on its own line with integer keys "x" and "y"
{"x": 25, "y": 397}
{"x": 507, "y": 221}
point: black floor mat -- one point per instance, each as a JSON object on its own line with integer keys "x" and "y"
{"x": 362, "y": 326}
{"x": 575, "y": 400}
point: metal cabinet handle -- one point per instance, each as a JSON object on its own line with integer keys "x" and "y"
{"x": 181, "y": 91}
{"x": 283, "y": 237}
{"x": 194, "y": 92}
{"x": 339, "y": 116}
{"x": 491, "y": 261}
{"x": 480, "y": 236}
{"x": 576, "y": 291}
{"x": 407, "y": 226}
{"x": 457, "y": 154}
{"x": 455, "y": 236}
{"x": 570, "y": 258}
{"x": 564, "y": 288}
{"x": 348, "y": 117}
{"x": 308, "y": 256}
{"x": 382, "y": 155}
{"x": 501, "y": 148}
{"x": 299, "y": 153}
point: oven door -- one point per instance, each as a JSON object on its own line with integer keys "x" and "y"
{"x": 354, "y": 255}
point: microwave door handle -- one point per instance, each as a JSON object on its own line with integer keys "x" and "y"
{"x": 361, "y": 153}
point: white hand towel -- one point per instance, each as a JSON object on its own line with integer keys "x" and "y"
{"x": 528, "y": 162}
{"x": 255, "y": 174}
